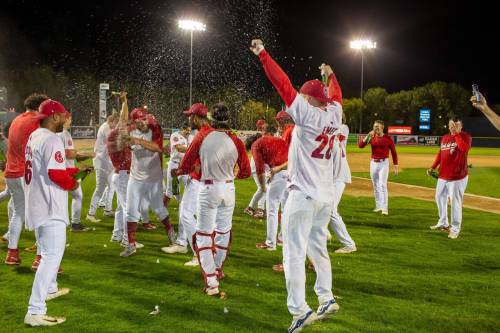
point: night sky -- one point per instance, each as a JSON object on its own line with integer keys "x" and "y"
{"x": 418, "y": 41}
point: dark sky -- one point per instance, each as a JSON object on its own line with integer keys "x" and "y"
{"x": 418, "y": 41}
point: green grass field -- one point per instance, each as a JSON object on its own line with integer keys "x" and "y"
{"x": 404, "y": 278}
{"x": 482, "y": 181}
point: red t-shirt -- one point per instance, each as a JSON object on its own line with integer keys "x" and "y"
{"x": 269, "y": 150}
{"x": 20, "y": 130}
{"x": 452, "y": 156}
{"x": 380, "y": 148}
{"x": 287, "y": 134}
{"x": 121, "y": 159}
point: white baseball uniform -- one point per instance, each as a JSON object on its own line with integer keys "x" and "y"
{"x": 175, "y": 158}
{"x": 76, "y": 195}
{"x": 259, "y": 198}
{"x": 47, "y": 212}
{"x": 103, "y": 170}
{"x": 341, "y": 177}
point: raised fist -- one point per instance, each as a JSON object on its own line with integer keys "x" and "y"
{"x": 256, "y": 46}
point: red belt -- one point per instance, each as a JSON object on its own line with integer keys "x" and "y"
{"x": 210, "y": 182}
{"x": 378, "y": 160}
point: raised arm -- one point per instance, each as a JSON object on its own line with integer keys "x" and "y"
{"x": 274, "y": 73}
{"x": 482, "y": 106}
{"x": 334, "y": 90}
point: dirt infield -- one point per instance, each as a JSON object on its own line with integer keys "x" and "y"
{"x": 360, "y": 162}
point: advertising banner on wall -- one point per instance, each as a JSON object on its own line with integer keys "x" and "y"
{"x": 408, "y": 140}
{"x": 399, "y": 130}
{"x": 428, "y": 140}
{"x": 83, "y": 132}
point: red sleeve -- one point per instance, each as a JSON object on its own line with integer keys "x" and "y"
{"x": 278, "y": 78}
{"x": 257, "y": 157}
{"x": 437, "y": 160}
{"x": 394, "y": 154}
{"x": 193, "y": 153}
{"x": 243, "y": 162}
{"x": 334, "y": 90}
{"x": 63, "y": 178}
{"x": 463, "y": 144}
{"x": 362, "y": 144}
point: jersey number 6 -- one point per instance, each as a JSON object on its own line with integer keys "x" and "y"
{"x": 28, "y": 173}
{"x": 323, "y": 139}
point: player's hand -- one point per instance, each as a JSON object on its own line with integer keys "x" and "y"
{"x": 396, "y": 169}
{"x": 326, "y": 70}
{"x": 430, "y": 171}
{"x": 256, "y": 46}
{"x": 123, "y": 96}
{"x": 481, "y": 105}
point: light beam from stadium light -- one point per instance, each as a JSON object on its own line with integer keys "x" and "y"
{"x": 360, "y": 45}
{"x": 191, "y": 26}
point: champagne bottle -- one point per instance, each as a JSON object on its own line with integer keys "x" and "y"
{"x": 368, "y": 138}
{"x": 81, "y": 175}
{"x": 175, "y": 186}
{"x": 324, "y": 78}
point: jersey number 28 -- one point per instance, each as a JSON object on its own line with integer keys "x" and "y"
{"x": 323, "y": 139}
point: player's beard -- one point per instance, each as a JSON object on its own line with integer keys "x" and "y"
{"x": 60, "y": 127}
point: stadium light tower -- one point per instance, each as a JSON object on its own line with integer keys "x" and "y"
{"x": 191, "y": 26}
{"x": 361, "y": 45}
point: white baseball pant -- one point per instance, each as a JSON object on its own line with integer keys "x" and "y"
{"x": 182, "y": 180}
{"x": 213, "y": 228}
{"x": 275, "y": 197}
{"x": 107, "y": 198}
{"x": 259, "y": 197}
{"x": 120, "y": 182}
{"x": 16, "y": 190}
{"x": 305, "y": 229}
{"x": 52, "y": 242}
{"x": 103, "y": 178}
{"x": 145, "y": 209}
{"x": 187, "y": 213}
{"x": 379, "y": 172}
{"x": 76, "y": 205}
{"x": 454, "y": 189}
{"x": 338, "y": 225}
{"x": 153, "y": 193}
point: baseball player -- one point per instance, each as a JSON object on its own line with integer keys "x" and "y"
{"x": 71, "y": 155}
{"x": 19, "y": 132}
{"x": 453, "y": 175}
{"x": 197, "y": 114}
{"x": 309, "y": 204}
{"x": 47, "y": 180}
{"x": 103, "y": 169}
{"x": 379, "y": 166}
{"x": 146, "y": 177}
{"x": 341, "y": 177}
{"x": 259, "y": 197}
{"x": 179, "y": 142}
{"x": 218, "y": 150}
{"x": 286, "y": 125}
{"x": 271, "y": 151}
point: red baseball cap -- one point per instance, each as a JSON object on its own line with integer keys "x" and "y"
{"x": 316, "y": 89}
{"x": 50, "y": 107}
{"x": 138, "y": 114}
{"x": 282, "y": 115}
{"x": 199, "y": 109}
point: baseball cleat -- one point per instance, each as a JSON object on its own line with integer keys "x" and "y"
{"x": 36, "y": 262}
{"x": 264, "y": 246}
{"x": 279, "y": 242}
{"x": 31, "y": 248}
{"x": 327, "y": 308}
{"x": 376, "y": 210}
{"x": 78, "y": 227}
{"x": 385, "y": 212}
{"x": 129, "y": 250}
{"x": 212, "y": 291}
{"x": 4, "y": 238}
{"x": 249, "y": 211}
{"x": 109, "y": 213}
{"x": 439, "y": 227}
{"x": 92, "y": 218}
{"x": 42, "y": 320}
{"x": 299, "y": 322}
{"x": 278, "y": 268}
{"x": 149, "y": 226}
{"x": 259, "y": 213}
{"x": 175, "y": 248}
{"x": 192, "y": 263}
{"x": 58, "y": 293}
{"x": 12, "y": 257}
{"x": 346, "y": 249}
{"x": 115, "y": 239}
{"x": 453, "y": 235}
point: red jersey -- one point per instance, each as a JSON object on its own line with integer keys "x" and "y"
{"x": 452, "y": 156}
{"x": 287, "y": 134}
{"x": 20, "y": 130}
{"x": 121, "y": 159}
{"x": 269, "y": 150}
{"x": 380, "y": 148}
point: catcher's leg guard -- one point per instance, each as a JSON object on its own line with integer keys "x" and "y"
{"x": 203, "y": 245}
{"x": 222, "y": 243}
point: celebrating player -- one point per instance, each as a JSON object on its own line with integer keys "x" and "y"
{"x": 179, "y": 142}
{"x": 309, "y": 204}
{"x": 218, "y": 150}
{"x": 47, "y": 180}
{"x": 453, "y": 176}
{"x": 19, "y": 132}
{"x": 379, "y": 166}
{"x": 270, "y": 151}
